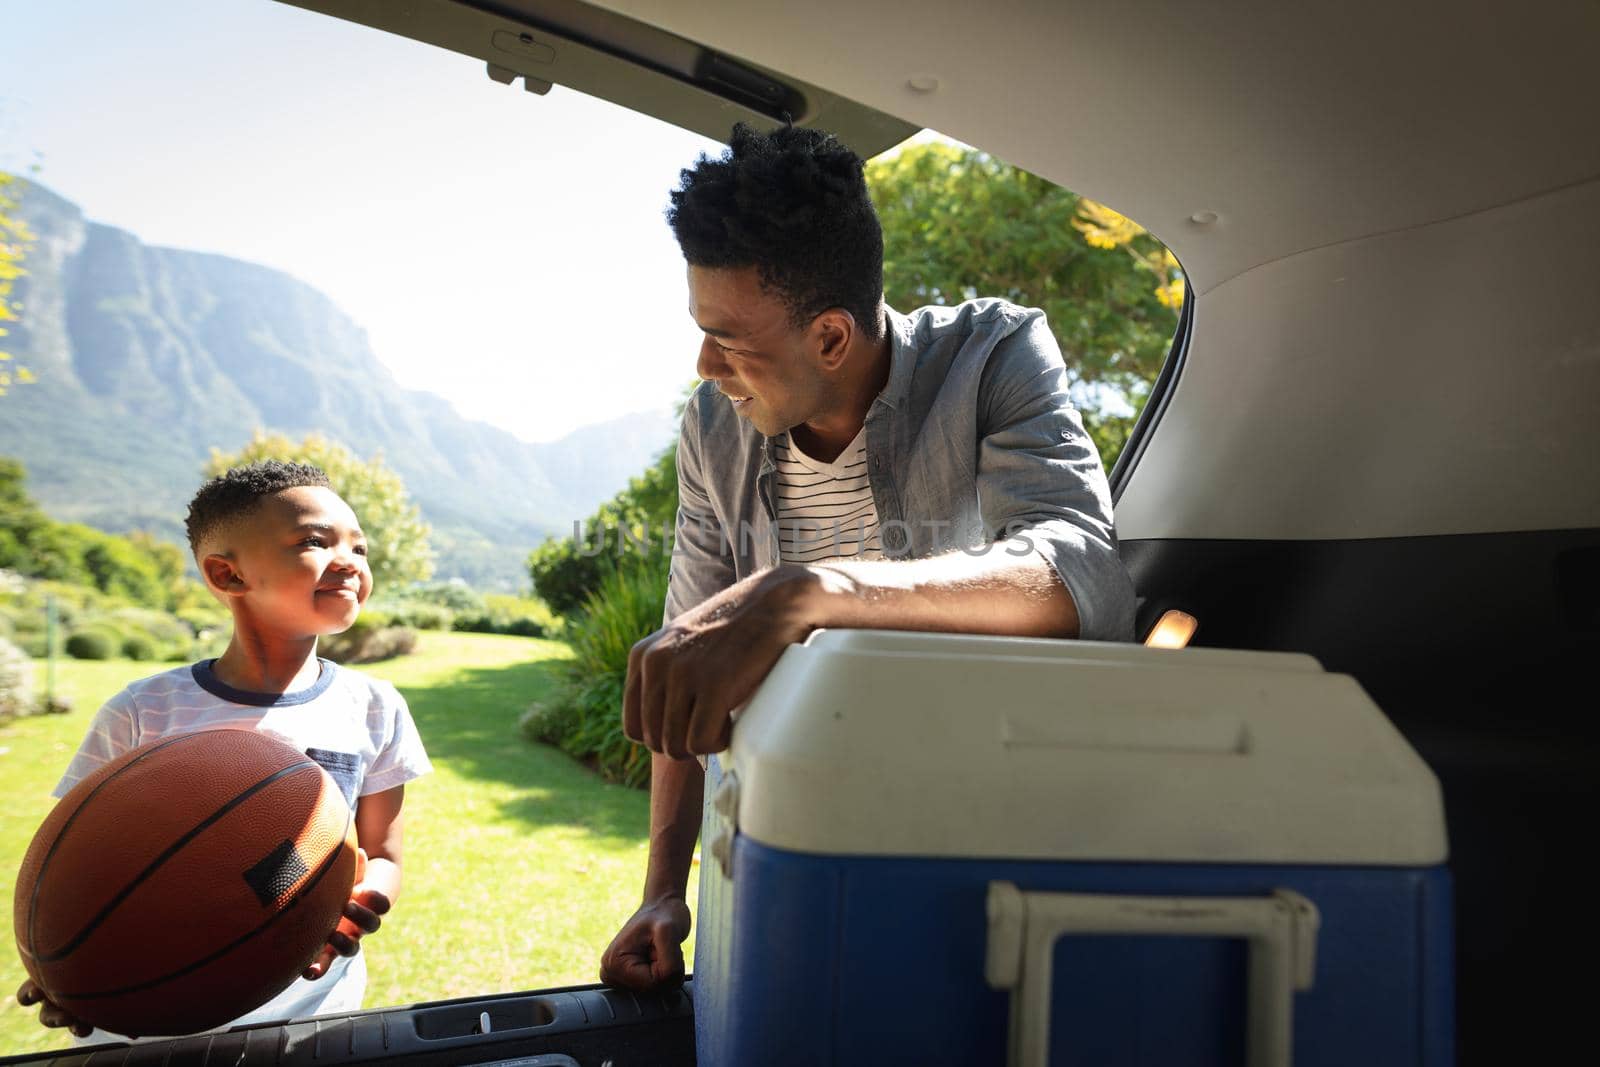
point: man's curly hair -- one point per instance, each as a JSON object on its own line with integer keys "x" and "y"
{"x": 792, "y": 203}
{"x": 235, "y": 492}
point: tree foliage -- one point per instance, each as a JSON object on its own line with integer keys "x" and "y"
{"x": 137, "y": 569}
{"x": 397, "y": 539}
{"x": 958, "y": 224}
{"x": 635, "y": 525}
{"x": 15, "y": 239}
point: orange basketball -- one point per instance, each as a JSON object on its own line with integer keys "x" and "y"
{"x": 185, "y": 883}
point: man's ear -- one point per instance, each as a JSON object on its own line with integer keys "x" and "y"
{"x": 835, "y": 329}
{"x": 221, "y": 576}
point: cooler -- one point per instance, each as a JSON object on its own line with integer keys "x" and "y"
{"x": 945, "y": 849}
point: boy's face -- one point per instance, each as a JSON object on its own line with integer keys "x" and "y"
{"x": 297, "y": 564}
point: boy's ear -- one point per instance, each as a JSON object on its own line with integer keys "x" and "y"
{"x": 221, "y": 575}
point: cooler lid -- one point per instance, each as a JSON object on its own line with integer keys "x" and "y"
{"x": 864, "y": 742}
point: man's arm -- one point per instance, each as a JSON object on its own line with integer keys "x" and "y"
{"x": 647, "y": 951}
{"x": 685, "y": 679}
{"x": 1039, "y": 473}
{"x": 1050, "y": 570}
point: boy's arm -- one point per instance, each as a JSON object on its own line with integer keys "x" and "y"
{"x": 380, "y": 832}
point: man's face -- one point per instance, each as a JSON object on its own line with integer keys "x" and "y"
{"x": 302, "y": 560}
{"x": 764, "y": 365}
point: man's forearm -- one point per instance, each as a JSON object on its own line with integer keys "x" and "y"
{"x": 677, "y": 787}
{"x": 1007, "y": 590}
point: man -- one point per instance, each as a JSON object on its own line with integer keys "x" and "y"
{"x": 842, "y": 465}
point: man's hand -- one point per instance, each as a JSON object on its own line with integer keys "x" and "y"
{"x": 686, "y": 678}
{"x": 648, "y": 951}
{"x": 50, "y": 1014}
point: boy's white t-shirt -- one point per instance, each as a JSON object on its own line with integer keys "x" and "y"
{"x": 358, "y": 728}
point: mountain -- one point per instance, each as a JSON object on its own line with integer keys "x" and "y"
{"x": 147, "y": 358}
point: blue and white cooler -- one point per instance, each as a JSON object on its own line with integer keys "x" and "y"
{"x": 944, "y": 849}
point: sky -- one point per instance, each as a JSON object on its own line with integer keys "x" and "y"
{"x": 504, "y": 250}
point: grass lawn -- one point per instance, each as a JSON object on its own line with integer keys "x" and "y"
{"x": 520, "y": 864}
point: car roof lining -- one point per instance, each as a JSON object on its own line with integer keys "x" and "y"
{"x": 625, "y": 61}
{"x": 1393, "y": 334}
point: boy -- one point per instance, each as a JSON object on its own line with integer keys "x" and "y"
{"x": 287, "y": 556}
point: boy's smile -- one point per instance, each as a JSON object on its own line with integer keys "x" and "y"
{"x": 299, "y": 564}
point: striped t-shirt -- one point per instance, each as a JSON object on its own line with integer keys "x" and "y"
{"x": 825, "y": 510}
{"x": 357, "y": 728}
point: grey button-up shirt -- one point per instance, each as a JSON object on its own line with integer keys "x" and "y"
{"x": 973, "y": 445}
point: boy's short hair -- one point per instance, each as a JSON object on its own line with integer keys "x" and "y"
{"x": 235, "y": 493}
{"x": 793, "y": 203}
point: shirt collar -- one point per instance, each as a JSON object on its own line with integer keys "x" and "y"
{"x": 902, "y": 358}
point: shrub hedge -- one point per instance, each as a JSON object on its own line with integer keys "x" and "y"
{"x": 583, "y": 716}
{"x": 371, "y": 639}
{"x": 92, "y": 644}
{"x": 16, "y": 681}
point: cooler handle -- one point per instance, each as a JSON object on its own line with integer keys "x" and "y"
{"x": 1023, "y": 928}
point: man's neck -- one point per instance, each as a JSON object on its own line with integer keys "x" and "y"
{"x": 825, "y": 436}
{"x": 256, "y": 663}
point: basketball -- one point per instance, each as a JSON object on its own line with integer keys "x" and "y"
{"x": 185, "y": 882}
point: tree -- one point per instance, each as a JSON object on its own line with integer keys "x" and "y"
{"x": 637, "y": 522}
{"x": 397, "y": 538}
{"x": 139, "y": 568}
{"x": 958, "y": 223}
{"x": 15, "y": 239}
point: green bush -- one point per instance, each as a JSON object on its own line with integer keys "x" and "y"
{"x": 524, "y": 628}
{"x": 138, "y": 647}
{"x": 503, "y": 613}
{"x": 497, "y": 624}
{"x": 418, "y": 615}
{"x": 455, "y": 595}
{"x": 512, "y": 607}
{"x": 16, "y": 681}
{"x": 93, "y": 644}
{"x": 566, "y": 573}
{"x": 584, "y": 717}
{"x": 202, "y": 619}
{"x": 168, "y": 636}
{"x": 368, "y": 641}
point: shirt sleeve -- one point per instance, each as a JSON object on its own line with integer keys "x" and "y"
{"x": 402, "y": 757}
{"x": 112, "y": 731}
{"x": 1040, "y": 479}
{"x": 702, "y": 561}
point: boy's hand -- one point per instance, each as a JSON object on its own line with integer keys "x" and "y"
{"x": 362, "y": 915}
{"x": 49, "y": 1013}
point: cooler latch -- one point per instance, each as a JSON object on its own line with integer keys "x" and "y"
{"x": 724, "y": 821}
{"x": 1281, "y": 930}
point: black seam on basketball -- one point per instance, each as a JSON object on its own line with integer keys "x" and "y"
{"x": 322, "y": 870}
{"x": 275, "y": 874}
{"x": 171, "y": 850}
{"x": 44, "y": 864}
